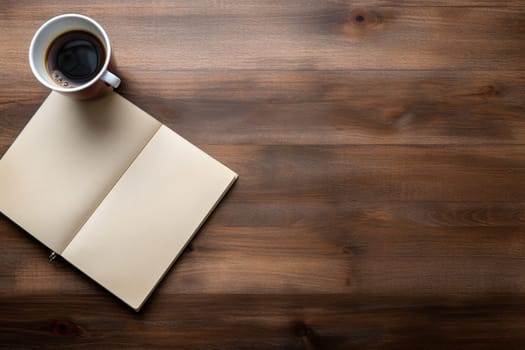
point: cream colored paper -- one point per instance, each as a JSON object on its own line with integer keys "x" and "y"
{"x": 67, "y": 158}
{"x": 149, "y": 216}
{"x": 110, "y": 189}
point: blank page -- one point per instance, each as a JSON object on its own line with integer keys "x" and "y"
{"x": 66, "y": 160}
{"x": 149, "y": 216}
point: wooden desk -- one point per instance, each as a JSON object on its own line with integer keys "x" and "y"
{"x": 381, "y": 149}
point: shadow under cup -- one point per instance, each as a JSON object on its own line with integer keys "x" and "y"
{"x": 56, "y": 27}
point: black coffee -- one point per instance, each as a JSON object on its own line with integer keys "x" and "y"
{"x": 75, "y": 58}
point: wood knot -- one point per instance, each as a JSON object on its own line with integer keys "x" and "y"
{"x": 488, "y": 91}
{"x": 65, "y": 328}
{"x": 360, "y": 23}
{"x": 364, "y": 18}
{"x": 353, "y": 250}
{"x": 398, "y": 117}
{"x": 310, "y": 338}
{"x": 301, "y": 330}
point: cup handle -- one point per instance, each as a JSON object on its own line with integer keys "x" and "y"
{"x": 111, "y": 79}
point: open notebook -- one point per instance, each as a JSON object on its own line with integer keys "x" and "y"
{"x": 110, "y": 189}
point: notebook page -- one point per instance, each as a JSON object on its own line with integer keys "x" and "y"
{"x": 66, "y": 160}
{"x": 149, "y": 216}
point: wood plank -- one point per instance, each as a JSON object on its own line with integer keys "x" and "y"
{"x": 297, "y": 36}
{"x": 232, "y": 6}
{"x": 423, "y": 107}
{"x": 367, "y": 173}
{"x": 366, "y": 107}
{"x": 262, "y": 322}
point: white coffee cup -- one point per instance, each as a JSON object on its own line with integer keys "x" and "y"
{"x": 56, "y": 27}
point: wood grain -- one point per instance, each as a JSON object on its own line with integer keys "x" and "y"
{"x": 299, "y": 35}
{"x": 415, "y": 107}
{"x": 262, "y": 322}
{"x": 381, "y": 150}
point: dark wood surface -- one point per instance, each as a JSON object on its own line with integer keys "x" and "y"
{"x": 381, "y": 152}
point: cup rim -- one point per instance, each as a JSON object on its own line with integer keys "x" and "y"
{"x": 85, "y": 85}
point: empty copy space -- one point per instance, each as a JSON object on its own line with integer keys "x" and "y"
{"x": 143, "y": 224}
